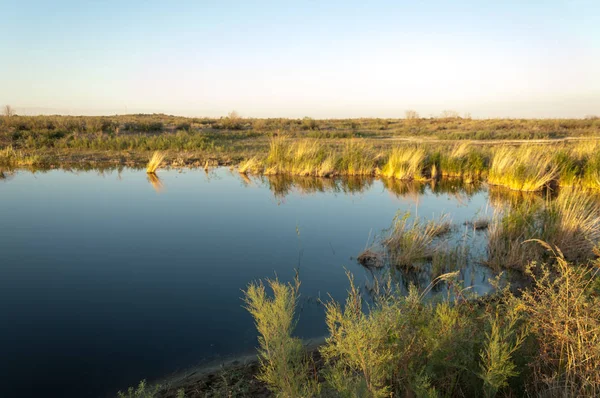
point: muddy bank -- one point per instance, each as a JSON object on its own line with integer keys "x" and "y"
{"x": 234, "y": 377}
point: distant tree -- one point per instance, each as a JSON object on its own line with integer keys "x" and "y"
{"x": 449, "y": 114}
{"x": 259, "y": 124}
{"x": 233, "y": 115}
{"x": 8, "y": 111}
{"x": 411, "y": 114}
{"x": 233, "y": 121}
{"x": 309, "y": 123}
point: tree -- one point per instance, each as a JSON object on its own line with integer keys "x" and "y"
{"x": 411, "y": 114}
{"x": 449, "y": 114}
{"x": 9, "y": 111}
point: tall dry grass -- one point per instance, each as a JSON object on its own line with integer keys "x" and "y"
{"x": 155, "y": 162}
{"x": 405, "y": 163}
{"x": 565, "y": 320}
{"x": 411, "y": 241}
{"x": 526, "y": 168}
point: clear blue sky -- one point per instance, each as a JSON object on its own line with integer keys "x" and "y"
{"x": 302, "y": 58}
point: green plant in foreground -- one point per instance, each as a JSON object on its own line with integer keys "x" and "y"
{"x": 399, "y": 346}
{"x": 284, "y": 365}
{"x": 502, "y": 341}
{"x": 142, "y": 391}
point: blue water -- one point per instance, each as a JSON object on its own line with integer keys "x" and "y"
{"x": 104, "y": 281}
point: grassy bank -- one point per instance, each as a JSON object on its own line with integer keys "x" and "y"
{"x": 393, "y": 148}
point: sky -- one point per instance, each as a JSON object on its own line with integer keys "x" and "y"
{"x": 322, "y": 59}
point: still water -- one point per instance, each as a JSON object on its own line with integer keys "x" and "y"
{"x": 109, "y": 278}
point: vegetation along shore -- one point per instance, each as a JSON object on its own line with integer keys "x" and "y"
{"x": 426, "y": 333}
{"x": 525, "y": 155}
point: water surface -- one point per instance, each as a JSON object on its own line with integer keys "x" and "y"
{"x": 109, "y": 278}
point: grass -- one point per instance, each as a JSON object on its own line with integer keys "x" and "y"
{"x": 155, "y": 162}
{"x": 325, "y": 148}
{"x": 571, "y": 221}
{"x": 564, "y": 315}
{"x": 405, "y": 164}
{"x": 410, "y": 242}
{"x": 526, "y": 168}
{"x": 544, "y": 342}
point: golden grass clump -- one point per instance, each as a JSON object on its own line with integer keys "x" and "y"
{"x": 527, "y": 168}
{"x": 574, "y": 220}
{"x": 303, "y": 158}
{"x": 155, "y": 162}
{"x": 356, "y": 159}
{"x": 405, "y": 163}
{"x": 410, "y": 242}
{"x": 565, "y": 320}
{"x": 252, "y": 165}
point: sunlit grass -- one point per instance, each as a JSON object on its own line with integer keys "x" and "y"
{"x": 411, "y": 241}
{"x": 526, "y": 168}
{"x": 155, "y": 162}
{"x": 405, "y": 163}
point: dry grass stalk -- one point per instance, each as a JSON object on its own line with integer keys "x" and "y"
{"x": 155, "y": 161}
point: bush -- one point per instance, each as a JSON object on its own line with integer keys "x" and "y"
{"x": 283, "y": 362}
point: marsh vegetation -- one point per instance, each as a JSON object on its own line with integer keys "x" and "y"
{"x": 422, "y": 325}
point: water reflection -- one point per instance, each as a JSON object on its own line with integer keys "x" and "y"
{"x": 284, "y": 185}
{"x": 155, "y": 182}
{"x": 6, "y": 175}
{"x": 110, "y": 286}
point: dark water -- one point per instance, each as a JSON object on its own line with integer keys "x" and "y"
{"x": 104, "y": 281}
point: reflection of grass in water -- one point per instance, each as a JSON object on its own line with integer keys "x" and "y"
{"x": 156, "y": 183}
{"x": 282, "y": 185}
{"x": 399, "y": 188}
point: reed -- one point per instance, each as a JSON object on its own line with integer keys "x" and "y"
{"x": 573, "y": 224}
{"x": 526, "y": 168}
{"x": 252, "y": 165}
{"x": 356, "y": 159}
{"x": 155, "y": 162}
{"x": 564, "y": 318}
{"x": 405, "y": 163}
{"x": 410, "y": 242}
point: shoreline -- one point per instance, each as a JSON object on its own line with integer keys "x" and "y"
{"x": 200, "y": 379}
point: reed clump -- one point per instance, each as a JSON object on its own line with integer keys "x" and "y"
{"x": 303, "y": 158}
{"x": 464, "y": 162}
{"x": 573, "y": 223}
{"x": 356, "y": 159}
{"x": 412, "y": 241}
{"x": 526, "y": 168}
{"x": 405, "y": 163}
{"x": 563, "y": 313}
{"x": 155, "y": 162}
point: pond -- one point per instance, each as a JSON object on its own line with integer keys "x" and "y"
{"x": 108, "y": 278}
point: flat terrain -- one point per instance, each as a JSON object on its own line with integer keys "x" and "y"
{"x": 81, "y": 142}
